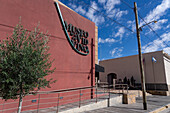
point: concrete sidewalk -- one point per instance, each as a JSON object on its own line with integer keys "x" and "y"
{"x": 155, "y": 104}
{"x": 86, "y": 105}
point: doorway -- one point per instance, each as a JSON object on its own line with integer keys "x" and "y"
{"x": 110, "y": 78}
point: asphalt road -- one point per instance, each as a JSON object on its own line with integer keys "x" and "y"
{"x": 153, "y": 103}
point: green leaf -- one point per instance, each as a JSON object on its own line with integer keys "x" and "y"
{"x": 24, "y": 63}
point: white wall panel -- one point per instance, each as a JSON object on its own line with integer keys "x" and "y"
{"x": 167, "y": 69}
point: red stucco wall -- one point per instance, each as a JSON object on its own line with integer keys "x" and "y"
{"x": 72, "y": 69}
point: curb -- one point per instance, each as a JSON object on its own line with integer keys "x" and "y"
{"x": 161, "y": 108}
{"x": 94, "y": 106}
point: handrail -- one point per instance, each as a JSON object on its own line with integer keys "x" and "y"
{"x": 63, "y": 90}
{"x": 121, "y": 86}
{"x": 83, "y": 93}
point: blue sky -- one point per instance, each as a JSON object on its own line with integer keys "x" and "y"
{"x": 118, "y": 41}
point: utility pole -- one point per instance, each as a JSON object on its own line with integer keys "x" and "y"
{"x": 140, "y": 59}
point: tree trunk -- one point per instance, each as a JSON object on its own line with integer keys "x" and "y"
{"x": 20, "y": 103}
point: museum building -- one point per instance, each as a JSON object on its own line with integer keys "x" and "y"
{"x": 73, "y": 44}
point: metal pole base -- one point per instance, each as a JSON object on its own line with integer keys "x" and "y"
{"x": 145, "y": 106}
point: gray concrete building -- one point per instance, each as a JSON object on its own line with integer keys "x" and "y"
{"x": 156, "y": 69}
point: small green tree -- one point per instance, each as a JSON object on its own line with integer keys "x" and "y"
{"x": 24, "y": 62}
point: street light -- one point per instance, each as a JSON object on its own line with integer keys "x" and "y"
{"x": 140, "y": 28}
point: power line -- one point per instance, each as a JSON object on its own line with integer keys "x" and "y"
{"x": 83, "y": 3}
{"x": 108, "y": 17}
{"x": 115, "y": 20}
{"x": 152, "y": 30}
{"x": 147, "y": 44}
{"x": 126, "y": 4}
{"x": 143, "y": 20}
{"x": 146, "y": 24}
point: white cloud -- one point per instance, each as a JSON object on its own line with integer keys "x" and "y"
{"x": 158, "y": 25}
{"x": 168, "y": 26}
{"x": 102, "y": 59}
{"x": 90, "y": 13}
{"x": 156, "y": 13}
{"x": 166, "y": 37}
{"x": 117, "y": 13}
{"x": 121, "y": 13}
{"x": 111, "y": 11}
{"x": 130, "y": 22}
{"x": 163, "y": 21}
{"x": 110, "y": 5}
{"x": 72, "y": 5}
{"x": 158, "y": 44}
{"x": 107, "y": 5}
{"x": 167, "y": 50}
{"x": 107, "y": 40}
{"x": 79, "y": 9}
{"x": 120, "y": 32}
{"x": 116, "y": 52}
{"x": 101, "y": 1}
{"x": 132, "y": 25}
{"x": 97, "y": 19}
